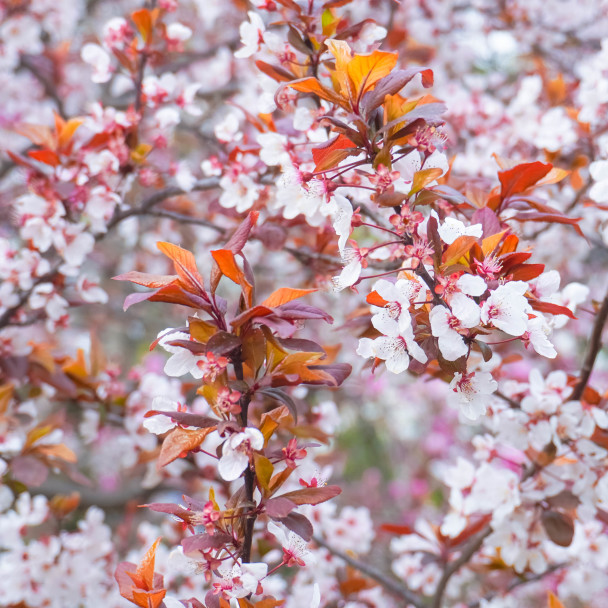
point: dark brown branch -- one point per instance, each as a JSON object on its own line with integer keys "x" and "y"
{"x": 186, "y": 59}
{"x": 512, "y": 403}
{"x": 595, "y": 344}
{"x": 453, "y": 567}
{"x": 391, "y": 585}
{"x": 186, "y": 219}
{"x": 249, "y": 513}
{"x": 523, "y": 580}
{"x": 28, "y": 62}
{"x": 208, "y": 183}
{"x": 6, "y": 316}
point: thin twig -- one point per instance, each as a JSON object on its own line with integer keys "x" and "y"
{"x": 595, "y": 344}
{"x": 48, "y": 82}
{"x": 392, "y": 585}
{"x": 25, "y": 296}
{"x": 512, "y": 403}
{"x": 524, "y": 580}
{"x": 208, "y": 183}
{"x": 453, "y": 567}
{"x": 185, "y": 59}
{"x": 185, "y": 219}
{"x": 250, "y": 477}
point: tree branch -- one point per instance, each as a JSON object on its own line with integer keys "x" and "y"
{"x": 523, "y": 580}
{"x": 249, "y": 514}
{"x": 453, "y": 567}
{"x": 392, "y": 585}
{"x": 595, "y": 344}
{"x": 208, "y": 183}
{"x": 25, "y": 295}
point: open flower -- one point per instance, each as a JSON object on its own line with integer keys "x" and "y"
{"x": 295, "y": 550}
{"x": 181, "y": 361}
{"x": 446, "y": 326}
{"x": 452, "y": 228}
{"x": 240, "y": 580}
{"x": 252, "y": 35}
{"x": 470, "y": 392}
{"x": 161, "y": 423}
{"x": 342, "y": 215}
{"x": 354, "y": 260}
{"x": 507, "y": 308}
{"x": 394, "y": 317}
{"x": 236, "y": 452}
{"x": 395, "y": 350}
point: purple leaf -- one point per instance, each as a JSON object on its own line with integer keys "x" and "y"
{"x": 186, "y": 418}
{"x": 392, "y": 84}
{"x": 136, "y": 298}
{"x": 29, "y": 470}
{"x": 340, "y": 371}
{"x": 222, "y": 343}
{"x": 297, "y": 310}
{"x": 283, "y": 397}
{"x": 296, "y": 522}
{"x": 278, "y": 508}
{"x": 489, "y": 221}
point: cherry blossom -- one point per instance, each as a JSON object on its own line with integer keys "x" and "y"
{"x": 394, "y": 350}
{"x": 470, "y": 393}
{"x": 236, "y": 452}
{"x": 445, "y": 325}
{"x": 507, "y": 308}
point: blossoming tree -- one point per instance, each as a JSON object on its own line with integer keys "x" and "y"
{"x": 368, "y": 245}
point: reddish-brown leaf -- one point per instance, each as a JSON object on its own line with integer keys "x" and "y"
{"x": 185, "y": 266}
{"x": 375, "y": 299}
{"x": 392, "y": 84}
{"x": 396, "y": 529}
{"x": 48, "y": 157}
{"x": 457, "y": 249}
{"x": 550, "y": 218}
{"x": 145, "y": 570}
{"x": 279, "y": 507}
{"x": 228, "y": 266}
{"x": 312, "y": 496}
{"x": 527, "y": 272}
{"x": 274, "y": 71}
{"x": 520, "y": 178}
{"x": 147, "y": 280}
{"x": 283, "y": 295}
{"x": 552, "y": 309}
{"x": 312, "y": 85}
{"x": 180, "y": 441}
{"x": 139, "y": 584}
{"x": 144, "y": 22}
{"x": 559, "y": 527}
{"x": 321, "y": 152}
{"x": 554, "y": 601}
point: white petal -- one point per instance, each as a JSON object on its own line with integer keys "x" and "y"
{"x": 366, "y": 348}
{"x": 465, "y": 310}
{"x": 158, "y": 424}
{"x": 385, "y": 324}
{"x": 315, "y": 601}
{"x": 256, "y": 438}
{"x": 232, "y": 464}
{"x": 350, "y": 274}
{"x": 471, "y": 284}
{"x": 178, "y": 364}
{"x": 417, "y": 352}
{"x": 439, "y": 320}
{"x": 164, "y": 403}
{"x": 452, "y": 346}
{"x": 386, "y": 290}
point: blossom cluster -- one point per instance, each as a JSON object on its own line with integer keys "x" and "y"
{"x": 293, "y": 200}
